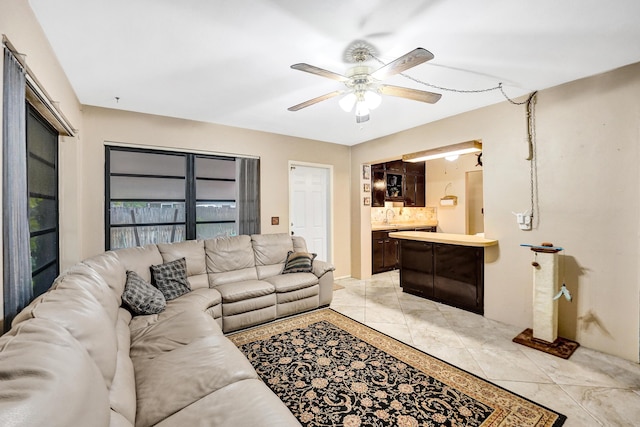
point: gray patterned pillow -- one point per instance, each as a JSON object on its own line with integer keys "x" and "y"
{"x": 298, "y": 262}
{"x": 171, "y": 278}
{"x": 141, "y": 297}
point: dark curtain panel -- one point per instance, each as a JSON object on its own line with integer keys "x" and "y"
{"x": 248, "y": 196}
{"x": 16, "y": 254}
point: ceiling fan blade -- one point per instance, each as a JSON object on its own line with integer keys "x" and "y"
{"x": 314, "y": 100}
{"x": 411, "y": 59}
{"x": 414, "y": 94}
{"x": 320, "y": 72}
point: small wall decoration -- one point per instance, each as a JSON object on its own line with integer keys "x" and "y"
{"x": 366, "y": 188}
{"x": 367, "y": 201}
{"x": 366, "y": 172}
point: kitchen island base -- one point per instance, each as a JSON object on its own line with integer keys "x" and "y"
{"x": 445, "y": 268}
{"x": 445, "y": 273}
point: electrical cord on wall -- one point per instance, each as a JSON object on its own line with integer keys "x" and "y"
{"x": 533, "y": 158}
{"x": 531, "y": 134}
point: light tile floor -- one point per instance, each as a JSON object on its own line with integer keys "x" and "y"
{"x": 591, "y": 388}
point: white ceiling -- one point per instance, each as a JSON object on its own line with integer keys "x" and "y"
{"x": 228, "y": 61}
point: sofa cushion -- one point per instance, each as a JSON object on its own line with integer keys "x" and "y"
{"x": 298, "y": 262}
{"x": 171, "y": 333}
{"x": 232, "y": 292}
{"x": 171, "y": 278}
{"x": 72, "y": 306}
{"x": 86, "y": 279}
{"x": 166, "y": 384}
{"x": 199, "y": 299}
{"x": 216, "y": 279}
{"x": 246, "y": 306}
{"x": 292, "y": 282}
{"x": 122, "y": 395}
{"x": 139, "y": 259}
{"x": 299, "y": 244}
{"x": 141, "y": 297}
{"x": 193, "y": 252}
{"x": 271, "y": 248}
{"x": 204, "y": 300}
{"x": 229, "y": 254}
{"x": 109, "y": 267}
{"x": 242, "y": 403}
{"x": 49, "y": 379}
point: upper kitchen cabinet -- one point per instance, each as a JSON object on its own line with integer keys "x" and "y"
{"x": 394, "y": 186}
{"x": 414, "y": 184}
{"x": 417, "y": 168}
{"x": 398, "y": 181}
{"x": 378, "y": 187}
{"x": 395, "y": 166}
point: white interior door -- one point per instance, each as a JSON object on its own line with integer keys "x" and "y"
{"x": 309, "y": 207}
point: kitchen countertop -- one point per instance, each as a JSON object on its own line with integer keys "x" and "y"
{"x": 453, "y": 239}
{"x": 403, "y": 225}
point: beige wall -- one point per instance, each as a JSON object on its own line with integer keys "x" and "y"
{"x": 448, "y": 177}
{"x": 588, "y": 136}
{"x": 275, "y": 151}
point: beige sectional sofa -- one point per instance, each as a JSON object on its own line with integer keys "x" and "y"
{"x": 76, "y": 357}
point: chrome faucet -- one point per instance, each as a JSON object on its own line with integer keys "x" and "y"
{"x": 386, "y": 215}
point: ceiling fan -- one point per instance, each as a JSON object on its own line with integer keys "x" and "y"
{"x": 363, "y": 86}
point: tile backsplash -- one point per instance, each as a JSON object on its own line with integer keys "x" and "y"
{"x": 402, "y": 214}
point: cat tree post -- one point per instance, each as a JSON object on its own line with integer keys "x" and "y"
{"x": 545, "y": 287}
{"x": 544, "y": 334}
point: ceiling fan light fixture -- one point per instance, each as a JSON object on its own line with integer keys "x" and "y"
{"x": 348, "y": 102}
{"x": 362, "y": 109}
{"x": 363, "y": 86}
{"x": 372, "y": 99}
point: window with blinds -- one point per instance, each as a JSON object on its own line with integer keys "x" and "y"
{"x": 163, "y": 197}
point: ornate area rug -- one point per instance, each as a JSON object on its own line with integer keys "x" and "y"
{"x": 333, "y": 371}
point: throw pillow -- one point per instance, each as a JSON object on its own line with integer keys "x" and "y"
{"x": 298, "y": 262}
{"x": 141, "y": 297}
{"x": 171, "y": 278}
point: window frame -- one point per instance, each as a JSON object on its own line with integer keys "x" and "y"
{"x": 190, "y": 200}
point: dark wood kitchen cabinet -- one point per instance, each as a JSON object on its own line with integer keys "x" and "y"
{"x": 384, "y": 252}
{"x": 451, "y": 274}
{"x": 378, "y": 188}
{"x": 395, "y": 166}
{"x": 398, "y": 181}
{"x": 414, "y": 194}
{"x": 414, "y": 184}
{"x": 416, "y": 268}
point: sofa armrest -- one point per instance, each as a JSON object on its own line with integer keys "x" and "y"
{"x": 322, "y": 267}
{"x": 324, "y": 271}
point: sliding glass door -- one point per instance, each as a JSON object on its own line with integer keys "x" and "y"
{"x": 42, "y": 187}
